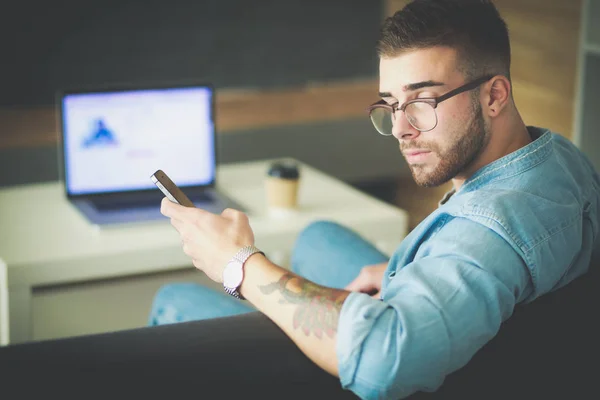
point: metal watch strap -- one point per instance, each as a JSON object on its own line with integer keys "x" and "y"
{"x": 242, "y": 256}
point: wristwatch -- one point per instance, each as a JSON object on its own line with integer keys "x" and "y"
{"x": 233, "y": 274}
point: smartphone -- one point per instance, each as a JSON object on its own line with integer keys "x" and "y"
{"x": 170, "y": 189}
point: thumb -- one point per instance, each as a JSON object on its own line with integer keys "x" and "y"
{"x": 352, "y": 286}
{"x": 360, "y": 285}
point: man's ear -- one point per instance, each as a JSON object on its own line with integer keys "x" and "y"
{"x": 499, "y": 95}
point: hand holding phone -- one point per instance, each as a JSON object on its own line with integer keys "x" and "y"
{"x": 170, "y": 189}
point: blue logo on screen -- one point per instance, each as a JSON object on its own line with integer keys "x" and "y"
{"x": 100, "y": 136}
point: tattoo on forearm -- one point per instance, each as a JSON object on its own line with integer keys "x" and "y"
{"x": 318, "y": 307}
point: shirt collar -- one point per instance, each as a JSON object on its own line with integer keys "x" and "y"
{"x": 514, "y": 163}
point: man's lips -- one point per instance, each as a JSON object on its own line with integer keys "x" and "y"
{"x": 414, "y": 152}
{"x": 416, "y": 155}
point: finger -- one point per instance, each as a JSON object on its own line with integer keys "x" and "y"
{"x": 351, "y": 287}
{"x": 228, "y": 212}
{"x": 168, "y": 208}
{"x": 358, "y": 285}
{"x": 377, "y": 295}
{"x": 232, "y": 214}
{"x": 177, "y": 224}
{"x": 179, "y": 212}
{"x": 187, "y": 249}
{"x": 197, "y": 264}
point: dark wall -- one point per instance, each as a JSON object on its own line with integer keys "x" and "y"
{"x": 231, "y": 43}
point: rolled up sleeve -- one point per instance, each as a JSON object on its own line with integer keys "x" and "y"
{"x": 436, "y": 313}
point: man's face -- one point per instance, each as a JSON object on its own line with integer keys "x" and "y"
{"x": 445, "y": 152}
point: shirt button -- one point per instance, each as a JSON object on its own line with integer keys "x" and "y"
{"x": 392, "y": 274}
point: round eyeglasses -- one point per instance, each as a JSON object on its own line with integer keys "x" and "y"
{"x": 420, "y": 113}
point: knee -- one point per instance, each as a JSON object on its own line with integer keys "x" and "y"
{"x": 177, "y": 296}
{"x": 178, "y": 302}
{"x": 319, "y": 229}
{"x": 170, "y": 292}
{"x": 317, "y": 235}
{"x": 164, "y": 305}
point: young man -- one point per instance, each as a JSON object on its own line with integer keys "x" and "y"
{"x": 520, "y": 221}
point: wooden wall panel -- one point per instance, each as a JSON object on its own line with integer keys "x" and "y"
{"x": 235, "y": 111}
{"x": 544, "y": 38}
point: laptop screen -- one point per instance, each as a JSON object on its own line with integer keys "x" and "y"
{"x": 113, "y": 141}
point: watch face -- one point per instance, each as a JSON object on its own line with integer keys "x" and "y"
{"x": 233, "y": 274}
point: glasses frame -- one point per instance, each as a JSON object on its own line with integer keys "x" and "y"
{"x": 432, "y": 101}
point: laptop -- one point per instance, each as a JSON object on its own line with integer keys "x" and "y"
{"x": 114, "y": 139}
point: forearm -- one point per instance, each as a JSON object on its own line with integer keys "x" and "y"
{"x": 306, "y": 312}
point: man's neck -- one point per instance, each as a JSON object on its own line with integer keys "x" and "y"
{"x": 507, "y": 136}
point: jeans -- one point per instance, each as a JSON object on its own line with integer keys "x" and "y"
{"x": 325, "y": 253}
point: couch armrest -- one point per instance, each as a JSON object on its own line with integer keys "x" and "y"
{"x": 547, "y": 349}
{"x": 246, "y": 354}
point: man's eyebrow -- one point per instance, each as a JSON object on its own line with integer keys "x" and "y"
{"x": 385, "y": 94}
{"x": 412, "y": 87}
{"x": 419, "y": 85}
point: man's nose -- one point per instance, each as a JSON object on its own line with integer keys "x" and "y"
{"x": 401, "y": 128}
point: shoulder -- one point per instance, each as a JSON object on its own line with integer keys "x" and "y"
{"x": 548, "y": 228}
{"x": 524, "y": 217}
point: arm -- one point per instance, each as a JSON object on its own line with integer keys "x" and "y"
{"x": 306, "y": 312}
{"x": 436, "y": 312}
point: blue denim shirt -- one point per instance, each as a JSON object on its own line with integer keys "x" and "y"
{"x": 520, "y": 227}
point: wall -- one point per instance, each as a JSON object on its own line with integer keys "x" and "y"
{"x": 293, "y": 79}
{"x": 237, "y": 44}
{"x": 312, "y": 62}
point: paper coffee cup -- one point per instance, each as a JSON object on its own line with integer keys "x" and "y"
{"x": 282, "y": 184}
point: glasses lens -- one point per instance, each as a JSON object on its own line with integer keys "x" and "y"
{"x": 421, "y": 115}
{"x": 382, "y": 120}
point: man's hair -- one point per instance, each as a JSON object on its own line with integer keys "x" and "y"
{"x": 474, "y": 28}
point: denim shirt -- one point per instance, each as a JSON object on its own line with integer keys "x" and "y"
{"x": 520, "y": 227}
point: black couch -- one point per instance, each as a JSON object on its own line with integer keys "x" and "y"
{"x": 547, "y": 349}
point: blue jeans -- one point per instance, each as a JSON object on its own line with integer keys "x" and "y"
{"x": 325, "y": 253}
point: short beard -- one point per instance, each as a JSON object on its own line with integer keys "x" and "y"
{"x": 459, "y": 156}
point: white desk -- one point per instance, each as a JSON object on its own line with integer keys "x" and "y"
{"x": 45, "y": 242}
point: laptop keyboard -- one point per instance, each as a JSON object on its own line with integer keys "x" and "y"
{"x": 148, "y": 201}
